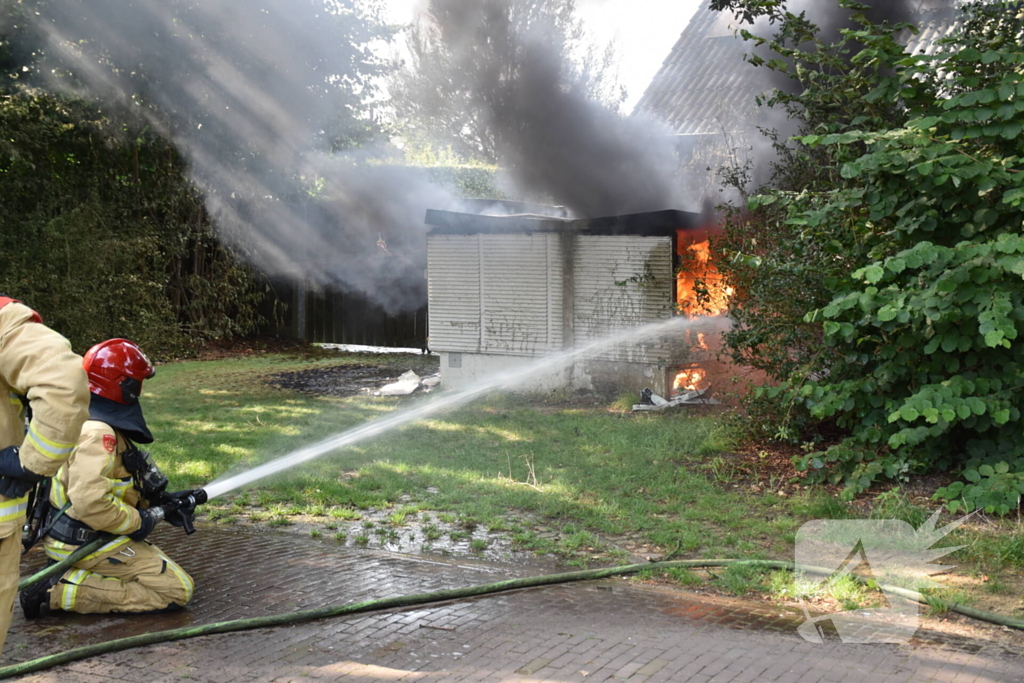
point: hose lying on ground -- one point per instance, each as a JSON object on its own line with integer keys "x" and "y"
{"x": 63, "y": 565}
{"x": 443, "y": 596}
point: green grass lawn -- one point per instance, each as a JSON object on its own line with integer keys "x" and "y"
{"x": 555, "y": 476}
{"x": 582, "y": 470}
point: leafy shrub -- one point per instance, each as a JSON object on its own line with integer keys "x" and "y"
{"x": 928, "y": 374}
{"x": 920, "y": 366}
{"x": 780, "y": 257}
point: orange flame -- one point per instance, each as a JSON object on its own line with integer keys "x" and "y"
{"x": 689, "y": 380}
{"x": 696, "y": 340}
{"x": 700, "y": 287}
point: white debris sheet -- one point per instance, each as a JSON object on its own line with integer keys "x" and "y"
{"x": 358, "y": 348}
{"x": 688, "y": 398}
{"x": 407, "y": 383}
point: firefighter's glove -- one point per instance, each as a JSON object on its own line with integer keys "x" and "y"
{"x": 178, "y": 518}
{"x": 15, "y": 478}
{"x": 149, "y": 518}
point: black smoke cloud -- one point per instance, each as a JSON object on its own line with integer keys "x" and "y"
{"x": 250, "y": 95}
{"x": 831, "y": 18}
{"x": 589, "y": 158}
{"x": 254, "y": 95}
{"x": 550, "y": 135}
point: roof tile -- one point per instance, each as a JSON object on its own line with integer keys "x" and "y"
{"x": 705, "y": 79}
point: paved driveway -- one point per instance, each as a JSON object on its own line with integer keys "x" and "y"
{"x": 597, "y": 631}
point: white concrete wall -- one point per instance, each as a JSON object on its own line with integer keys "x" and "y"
{"x": 500, "y": 301}
{"x": 496, "y": 294}
{"x": 463, "y": 370}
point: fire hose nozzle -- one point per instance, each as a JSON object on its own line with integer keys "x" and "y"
{"x": 185, "y": 507}
{"x": 198, "y": 497}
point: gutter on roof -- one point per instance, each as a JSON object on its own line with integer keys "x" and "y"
{"x": 649, "y": 224}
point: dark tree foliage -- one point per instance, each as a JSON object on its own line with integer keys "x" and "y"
{"x": 911, "y": 248}
{"x": 17, "y": 43}
{"x": 106, "y": 227}
{"x": 103, "y": 234}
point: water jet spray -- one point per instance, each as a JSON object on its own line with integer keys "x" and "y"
{"x": 507, "y": 379}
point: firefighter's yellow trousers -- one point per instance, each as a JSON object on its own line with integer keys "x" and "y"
{"x": 135, "y": 576}
{"x": 10, "y": 556}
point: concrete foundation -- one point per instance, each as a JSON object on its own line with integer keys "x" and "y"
{"x": 700, "y": 345}
{"x": 606, "y": 378}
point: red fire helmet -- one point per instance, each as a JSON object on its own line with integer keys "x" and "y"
{"x": 116, "y": 369}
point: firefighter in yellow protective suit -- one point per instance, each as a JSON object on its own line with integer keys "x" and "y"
{"x": 108, "y": 485}
{"x": 37, "y": 367}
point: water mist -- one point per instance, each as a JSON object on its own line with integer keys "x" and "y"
{"x": 505, "y": 380}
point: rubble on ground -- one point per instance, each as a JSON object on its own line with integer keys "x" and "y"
{"x": 650, "y": 401}
{"x": 409, "y": 383}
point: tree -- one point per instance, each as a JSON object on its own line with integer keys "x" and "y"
{"x": 464, "y": 53}
{"x": 781, "y": 269}
{"x": 920, "y": 367}
{"x": 175, "y": 117}
{"x": 103, "y": 233}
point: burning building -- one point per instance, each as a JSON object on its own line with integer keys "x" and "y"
{"x": 507, "y": 289}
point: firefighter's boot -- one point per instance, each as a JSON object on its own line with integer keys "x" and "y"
{"x": 36, "y": 597}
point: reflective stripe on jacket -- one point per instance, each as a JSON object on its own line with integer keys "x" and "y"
{"x": 37, "y": 363}
{"x": 12, "y": 509}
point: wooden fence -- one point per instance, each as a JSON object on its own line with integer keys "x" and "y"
{"x": 337, "y": 316}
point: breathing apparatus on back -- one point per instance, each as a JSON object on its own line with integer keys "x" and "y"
{"x": 149, "y": 480}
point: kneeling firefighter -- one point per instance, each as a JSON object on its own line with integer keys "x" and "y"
{"x": 109, "y": 485}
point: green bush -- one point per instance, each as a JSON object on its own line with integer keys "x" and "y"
{"x": 780, "y": 263}
{"x": 105, "y": 236}
{"x": 928, "y": 374}
{"x": 919, "y": 367}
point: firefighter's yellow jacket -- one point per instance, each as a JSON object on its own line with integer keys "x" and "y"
{"x": 122, "y": 575}
{"x": 96, "y": 483}
{"x": 37, "y": 363}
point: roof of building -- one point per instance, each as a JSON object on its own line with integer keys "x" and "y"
{"x": 703, "y": 77}
{"x": 644, "y": 224}
{"x": 705, "y": 85}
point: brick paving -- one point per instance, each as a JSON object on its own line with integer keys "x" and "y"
{"x": 596, "y": 631}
